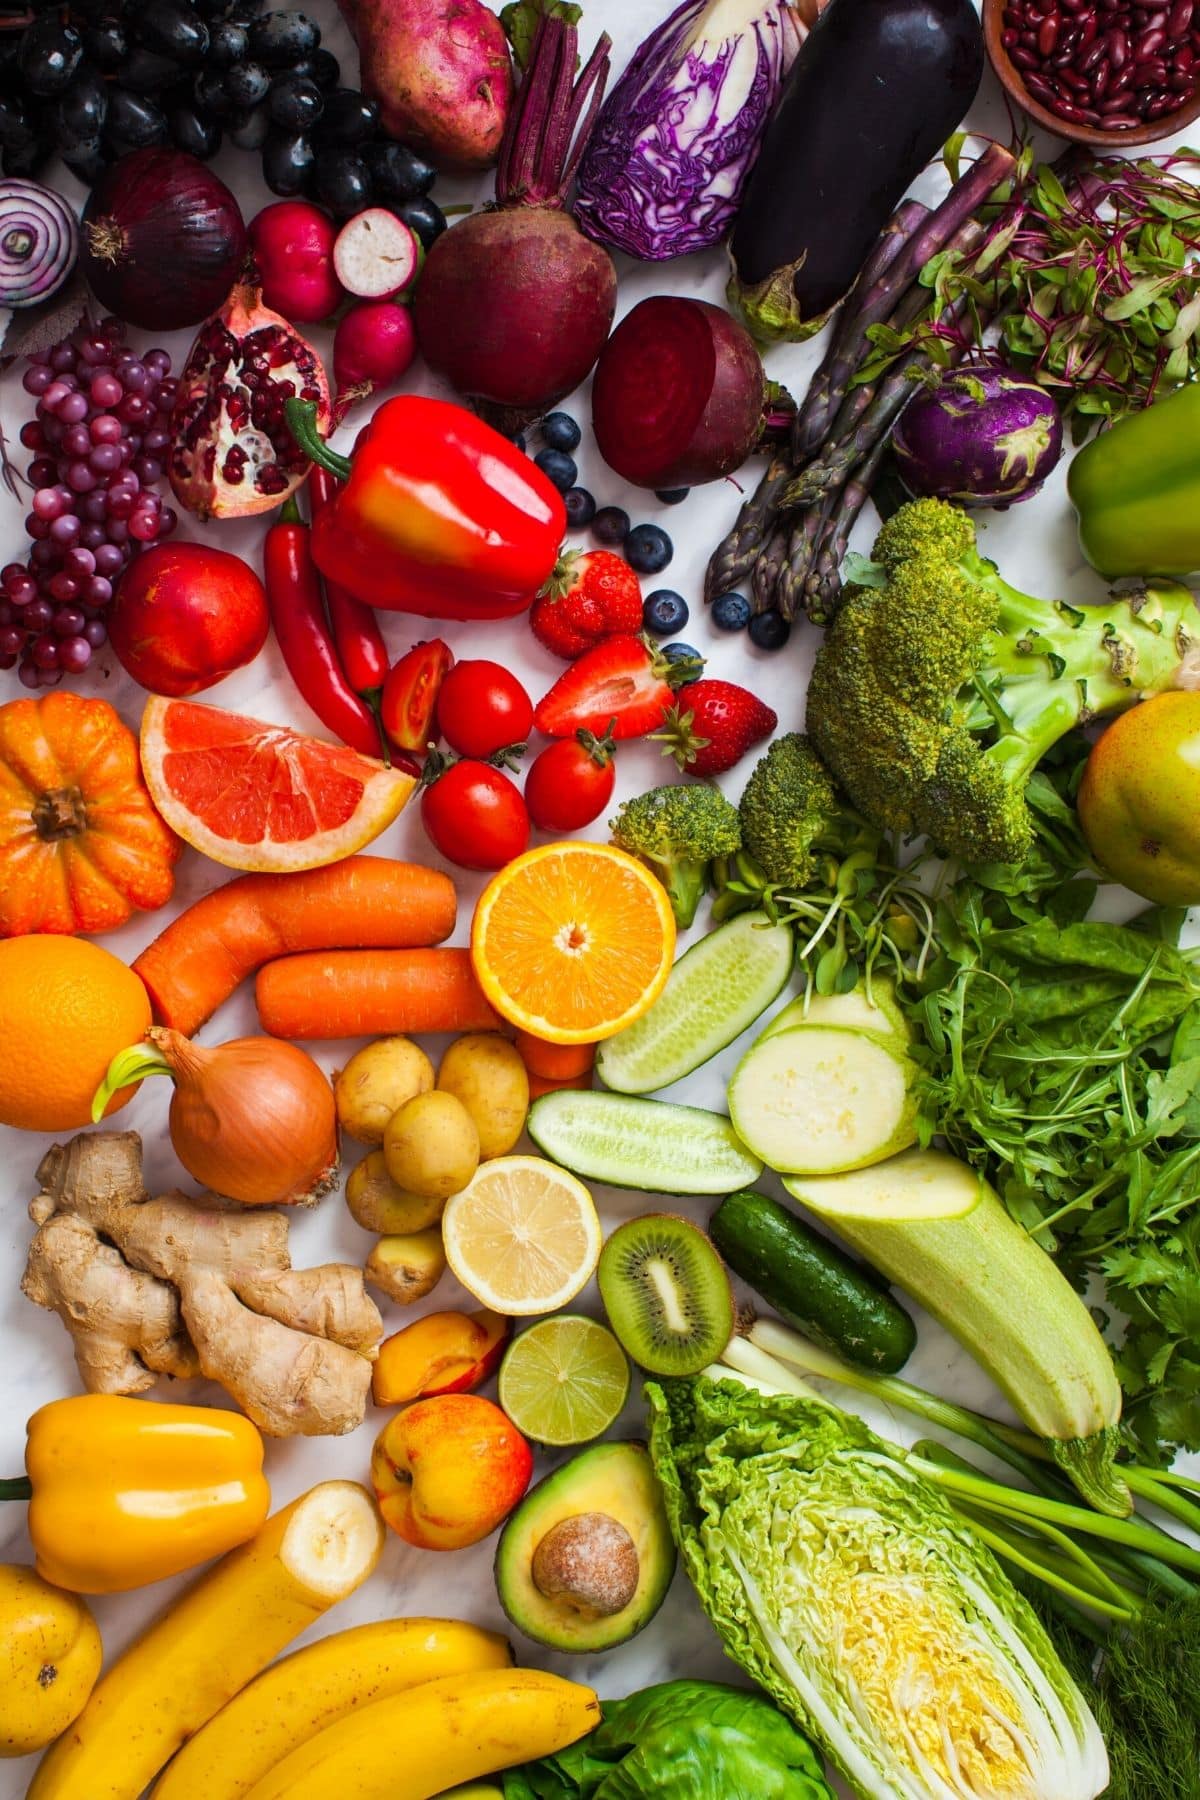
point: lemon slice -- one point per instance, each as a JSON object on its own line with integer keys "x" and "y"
{"x": 522, "y": 1236}
{"x": 564, "y": 1380}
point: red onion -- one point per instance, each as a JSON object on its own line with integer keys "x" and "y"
{"x": 39, "y": 242}
{"x": 163, "y": 240}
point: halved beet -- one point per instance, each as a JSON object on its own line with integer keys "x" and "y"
{"x": 678, "y": 395}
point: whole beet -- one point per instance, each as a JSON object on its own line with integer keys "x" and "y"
{"x": 441, "y": 73}
{"x": 514, "y": 303}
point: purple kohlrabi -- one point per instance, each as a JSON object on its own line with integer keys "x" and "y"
{"x": 983, "y": 435}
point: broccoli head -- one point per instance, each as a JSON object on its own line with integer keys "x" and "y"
{"x": 795, "y": 823}
{"x": 676, "y": 832}
{"x": 938, "y": 687}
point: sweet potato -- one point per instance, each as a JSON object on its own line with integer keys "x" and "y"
{"x": 441, "y": 73}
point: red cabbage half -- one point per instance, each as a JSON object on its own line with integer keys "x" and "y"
{"x": 676, "y": 138}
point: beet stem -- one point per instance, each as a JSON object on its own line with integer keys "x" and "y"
{"x": 537, "y": 160}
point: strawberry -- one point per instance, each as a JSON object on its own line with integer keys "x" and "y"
{"x": 592, "y": 594}
{"x": 623, "y": 680}
{"x": 713, "y": 726}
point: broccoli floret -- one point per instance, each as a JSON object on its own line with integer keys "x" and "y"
{"x": 676, "y": 832}
{"x": 938, "y": 687}
{"x": 795, "y": 824}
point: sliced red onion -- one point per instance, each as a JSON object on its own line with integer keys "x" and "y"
{"x": 39, "y": 242}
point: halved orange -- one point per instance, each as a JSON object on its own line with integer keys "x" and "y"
{"x": 258, "y": 796}
{"x": 573, "y": 941}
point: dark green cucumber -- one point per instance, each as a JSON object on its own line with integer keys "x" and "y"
{"x": 811, "y": 1283}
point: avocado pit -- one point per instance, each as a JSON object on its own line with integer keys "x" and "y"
{"x": 587, "y": 1562}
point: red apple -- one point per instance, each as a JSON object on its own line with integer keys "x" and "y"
{"x": 185, "y": 616}
{"x": 447, "y": 1471}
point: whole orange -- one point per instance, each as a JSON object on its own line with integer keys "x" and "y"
{"x": 66, "y": 1008}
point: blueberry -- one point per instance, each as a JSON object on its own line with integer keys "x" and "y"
{"x": 648, "y": 549}
{"x": 681, "y": 653}
{"x": 560, "y": 432}
{"x": 769, "y": 631}
{"x": 581, "y": 508}
{"x": 610, "y": 526}
{"x": 559, "y": 467}
{"x": 671, "y": 496}
{"x": 731, "y": 612}
{"x": 665, "y": 612}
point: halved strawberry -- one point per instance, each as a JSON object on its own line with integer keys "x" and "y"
{"x": 713, "y": 725}
{"x": 591, "y": 595}
{"x": 622, "y": 679}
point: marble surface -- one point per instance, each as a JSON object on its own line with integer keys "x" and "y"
{"x": 1036, "y": 547}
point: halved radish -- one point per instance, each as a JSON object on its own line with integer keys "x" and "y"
{"x": 376, "y": 256}
{"x": 819, "y": 1099}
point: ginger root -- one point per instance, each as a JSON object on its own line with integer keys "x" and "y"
{"x": 185, "y": 1287}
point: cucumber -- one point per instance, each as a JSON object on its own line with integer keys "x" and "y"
{"x": 811, "y": 1283}
{"x": 647, "y": 1144}
{"x": 910, "y": 1189}
{"x": 852, "y": 1011}
{"x": 718, "y": 988}
{"x": 819, "y": 1099}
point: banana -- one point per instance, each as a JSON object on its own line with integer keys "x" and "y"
{"x": 225, "y": 1629}
{"x": 298, "y": 1697}
{"x": 439, "y": 1734}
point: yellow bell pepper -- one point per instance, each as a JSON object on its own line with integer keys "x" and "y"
{"x": 123, "y": 1492}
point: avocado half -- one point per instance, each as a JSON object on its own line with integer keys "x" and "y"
{"x": 615, "y": 1479}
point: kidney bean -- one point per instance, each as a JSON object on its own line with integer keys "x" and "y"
{"x": 1047, "y": 37}
{"x": 1184, "y": 57}
{"x": 1008, "y": 38}
{"x": 1088, "y": 30}
{"x": 1099, "y": 82}
{"x": 1181, "y": 81}
{"x": 1121, "y": 121}
{"x": 1095, "y": 53}
{"x": 1153, "y": 73}
{"x": 1118, "y": 49}
{"x": 1122, "y": 79}
{"x": 1180, "y": 17}
{"x": 1077, "y": 6}
{"x": 1029, "y": 40}
{"x": 1159, "y": 108}
{"x": 1148, "y": 47}
{"x": 1025, "y": 60}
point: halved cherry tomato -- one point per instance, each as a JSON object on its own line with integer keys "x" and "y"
{"x": 571, "y": 782}
{"x": 475, "y": 815}
{"x": 482, "y": 708}
{"x": 410, "y": 693}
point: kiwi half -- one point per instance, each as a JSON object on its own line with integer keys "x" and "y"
{"x": 666, "y": 1294}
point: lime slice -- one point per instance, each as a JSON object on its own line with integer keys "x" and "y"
{"x": 564, "y": 1380}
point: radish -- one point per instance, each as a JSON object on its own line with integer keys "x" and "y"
{"x": 372, "y": 348}
{"x": 376, "y": 255}
{"x": 293, "y": 241}
{"x": 679, "y": 394}
{"x": 514, "y": 303}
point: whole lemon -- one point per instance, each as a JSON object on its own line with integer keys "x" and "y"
{"x": 52, "y": 1654}
{"x": 66, "y": 1008}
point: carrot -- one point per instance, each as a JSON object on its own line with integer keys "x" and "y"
{"x": 545, "y": 1084}
{"x": 200, "y": 958}
{"x": 365, "y": 993}
{"x": 555, "y": 1062}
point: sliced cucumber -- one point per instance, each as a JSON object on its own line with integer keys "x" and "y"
{"x": 647, "y": 1144}
{"x": 717, "y": 989}
{"x": 820, "y": 1099}
{"x": 913, "y": 1188}
{"x": 853, "y": 1011}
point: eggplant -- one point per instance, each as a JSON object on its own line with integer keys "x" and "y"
{"x": 876, "y": 90}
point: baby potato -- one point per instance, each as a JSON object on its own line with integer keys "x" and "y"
{"x": 377, "y": 1204}
{"x": 431, "y": 1145}
{"x": 486, "y": 1073}
{"x": 407, "y": 1268}
{"x": 376, "y": 1082}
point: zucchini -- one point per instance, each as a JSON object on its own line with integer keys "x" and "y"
{"x": 984, "y": 1279}
{"x": 818, "y": 1099}
{"x": 648, "y": 1144}
{"x": 908, "y": 1189}
{"x": 811, "y": 1283}
{"x": 853, "y": 1011}
{"x": 716, "y": 989}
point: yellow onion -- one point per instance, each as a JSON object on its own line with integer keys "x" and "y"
{"x": 253, "y": 1119}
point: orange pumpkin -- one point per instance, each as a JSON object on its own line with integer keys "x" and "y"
{"x": 81, "y": 846}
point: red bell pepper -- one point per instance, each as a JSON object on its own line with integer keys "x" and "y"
{"x": 440, "y": 515}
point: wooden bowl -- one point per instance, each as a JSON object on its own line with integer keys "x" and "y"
{"x": 1013, "y": 83}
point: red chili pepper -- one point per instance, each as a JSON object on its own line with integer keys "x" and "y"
{"x": 356, "y": 633}
{"x": 303, "y": 635}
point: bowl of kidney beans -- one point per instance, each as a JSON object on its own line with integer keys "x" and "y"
{"x": 1109, "y": 72}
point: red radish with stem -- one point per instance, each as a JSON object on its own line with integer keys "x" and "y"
{"x": 679, "y": 394}
{"x": 514, "y": 303}
{"x": 376, "y": 256}
{"x": 372, "y": 348}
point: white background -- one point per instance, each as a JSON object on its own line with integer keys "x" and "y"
{"x": 1035, "y": 545}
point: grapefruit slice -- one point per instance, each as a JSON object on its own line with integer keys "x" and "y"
{"x": 258, "y": 796}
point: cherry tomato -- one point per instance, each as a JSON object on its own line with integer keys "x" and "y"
{"x": 475, "y": 815}
{"x": 571, "y": 782}
{"x": 482, "y": 708}
{"x": 410, "y": 694}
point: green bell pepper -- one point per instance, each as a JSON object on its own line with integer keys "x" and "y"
{"x": 1136, "y": 489}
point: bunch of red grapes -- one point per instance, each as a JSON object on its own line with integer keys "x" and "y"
{"x": 99, "y": 441}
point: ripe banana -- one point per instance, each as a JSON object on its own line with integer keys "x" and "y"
{"x": 296, "y": 1698}
{"x": 439, "y": 1734}
{"x": 221, "y": 1633}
